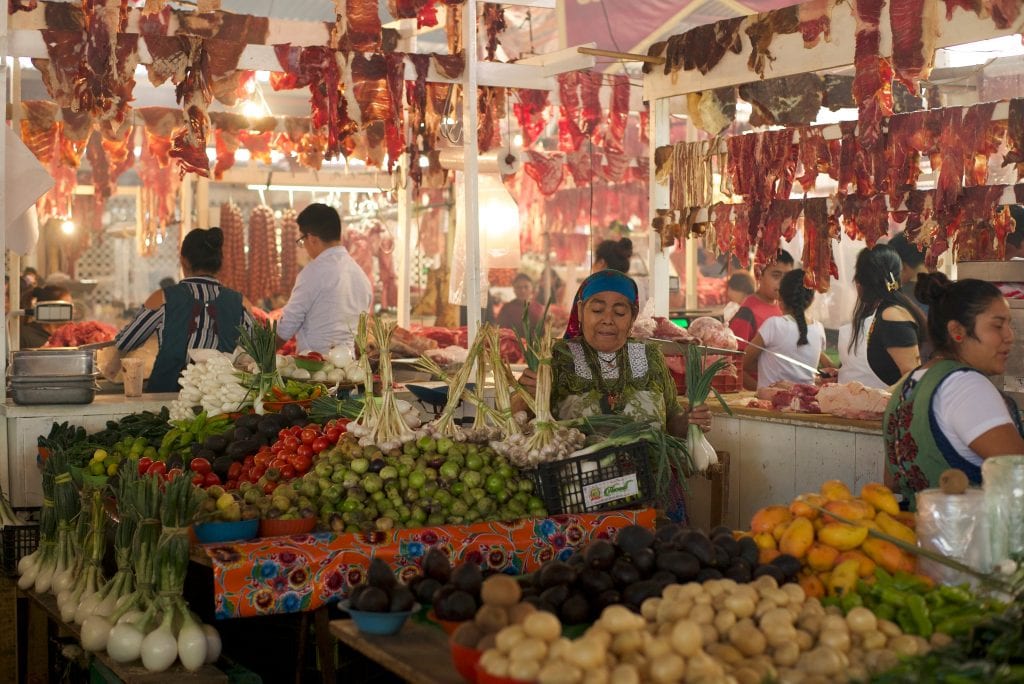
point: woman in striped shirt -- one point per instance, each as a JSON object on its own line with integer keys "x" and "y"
{"x": 197, "y": 313}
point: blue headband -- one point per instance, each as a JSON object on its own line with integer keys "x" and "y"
{"x": 610, "y": 281}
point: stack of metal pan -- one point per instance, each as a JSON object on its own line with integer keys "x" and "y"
{"x": 53, "y": 376}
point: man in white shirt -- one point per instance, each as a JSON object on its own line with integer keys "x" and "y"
{"x": 330, "y": 292}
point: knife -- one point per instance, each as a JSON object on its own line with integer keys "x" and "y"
{"x": 790, "y": 359}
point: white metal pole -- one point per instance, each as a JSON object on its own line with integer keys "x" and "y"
{"x": 3, "y": 198}
{"x": 403, "y": 255}
{"x": 471, "y": 150}
{"x": 691, "y": 242}
{"x": 657, "y": 259}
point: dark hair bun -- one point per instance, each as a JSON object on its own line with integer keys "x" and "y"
{"x": 215, "y": 237}
{"x": 931, "y": 287}
{"x": 626, "y": 246}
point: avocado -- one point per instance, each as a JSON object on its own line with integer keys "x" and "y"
{"x": 436, "y": 565}
{"x": 728, "y": 544}
{"x": 208, "y": 454}
{"x": 722, "y": 559}
{"x": 555, "y": 596}
{"x": 771, "y": 571}
{"x": 468, "y": 578}
{"x": 643, "y": 561}
{"x": 380, "y": 575}
{"x": 708, "y": 574}
{"x": 576, "y": 560}
{"x": 739, "y": 571}
{"x": 599, "y": 554}
{"x": 638, "y": 592}
{"x": 594, "y": 582}
{"x": 402, "y": 599}
{"x": 353, "y": 595}
{"x": 623, "y": 573}
{"x": 720, "y": 531}
{"x": 240, "y": 448}
{"x": 697, "y": 545}
{"x": 249, "y": 421}
{"x": 456, "y": 606}
{"x": 425, "y": 590}
{"x": 554, "y": 573}
{"x": 682, "y": 565}
{"x": 575, "y": 610}
{"x": 241, "y": 433}
{"x": 216, "y": 443}
{"x": 607, "y": 598}
{"x": 268, "y": 426}
{"x": 667, "y": 532}
{"x": 789, "y": 565}
{"x": 749, "y": 551}
{"x": 633, "y": 538}
{"x": 293, "y": 412}
{"x": 221, "y": 465}
{"x": 373, "y": 600}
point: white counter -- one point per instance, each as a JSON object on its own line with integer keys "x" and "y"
{"x": 776, "y": 456}
{"x": 22, "y": 425}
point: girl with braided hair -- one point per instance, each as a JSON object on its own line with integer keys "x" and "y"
{"x": 792, "y": 334}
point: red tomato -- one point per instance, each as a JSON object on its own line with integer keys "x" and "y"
{"x": 197, "y": 480}
{"x": 283, "y": 433}
{"x": 305, "y": 451}
{"x": 200, "y": 465}
{"x": 173, "y": 473}
{"x": 277, "y": 446}
{"x": 262, "y": 459}
{"x": 269, "y": 487}
{"x": 308, "y": 436}
{"x": 279, "y": 462}
{"x": 287, "y": 472}
{"x": 249, "y": 461}
{"x": 231, "y": 484}
{"x": 156, "y": 468}
{"x": 334, "y": 434}
{"x": 295, "y": 431}
{"x": 320, "y": 444}
{"x": 258, "y": 472}
{"x": 144, "y": 464}
{"x": 234, "y": 470}
{"x": 302, "y": 464}
{"x": 292, "y": 443}
{"x": 211, "y": 479}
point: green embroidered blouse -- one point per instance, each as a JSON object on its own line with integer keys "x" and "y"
{"x": 647, "y": 392}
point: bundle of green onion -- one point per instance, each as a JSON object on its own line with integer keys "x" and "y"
{"x": 260, "y": 343}
{"x": 699, "y": 376}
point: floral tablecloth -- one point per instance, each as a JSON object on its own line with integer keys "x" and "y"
{"x": 300, "y": 573}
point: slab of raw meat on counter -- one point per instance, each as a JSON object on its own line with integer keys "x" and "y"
{"x": 788, "y": 397}
{"x": 449, "y": 358}
{"x": 713, "y": 333}
{"x": 83, "y": 332}
{"x": 853, "y": 400}
{"x": 447, "y": 337}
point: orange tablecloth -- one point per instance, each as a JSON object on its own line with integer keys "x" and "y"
{"x": 304, "y": 572}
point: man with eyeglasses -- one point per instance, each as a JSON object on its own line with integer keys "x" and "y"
{"x": 330, "y": 291}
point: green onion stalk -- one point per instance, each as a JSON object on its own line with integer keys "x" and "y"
{"x": 379, "y": 424}
{"x": 504, "y": 382}
{"x": 480, "y": 418}
{"x": 116, "y": 591}
{"x": 260, "y": 343}
{"x": 699, "y": 376}
{"x": 41, "y": 560}
{"x": 490, "y": 415}
{"x": 445, "y": 425}
{"x": 71, "y": 579}
{"x": 668, "y": 453}
{"x": 82, "y": 598}
{"x": 67, "y": 505}
{"x": 367, "y": 419}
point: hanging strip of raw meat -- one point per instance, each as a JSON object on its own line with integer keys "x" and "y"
{"x": 226, "y": 127}
{"x": 490, "y": 102}
{"x": 106, "y": 72}
{"x": 761, "y": 32}
{"x": 910, "y": 136}
{"x": 569, "y": 134}
{"x": 494, "y": 23}
{"x": 1015, "y": 136}
{"x": 1004, "y": 12}
{"x": 590, "y": 113}
{"x": 39, "y": 128}
{"x": 530, "y": 110}
{"x": 721, "y": 222}
{"x": 741, "y": 163}
{"x": 581, "y": 166}
{"x": 369, "y": 87}
{"x": 395, "y": 123}
{"x": 866, "y": 218}
{"x": 951, "y": 163}
{"x": 546, "y": 170}
{"x": 711, "y": 110}
{"x": 790, "y": 101}
{"x": 981, "y": 229}
{"x": 450, "y": 66}
{"x": 872, "y": 84}
{"x": 741, "y": 233}
{"x": 21, "y": 6}
{"x": 815, "y": 21}
{"x": 915, "y": 28}
{"x": 64, "y": 50}
{"x": 160, "y": 183}
{"x": 188, "y": 144}
{"x": 815, "y": 156}
{"x": 780, "y": 223}
{"x": 168, "y": 58}
{"x": 982, "y": 138}
{"x": 968, "y": 5}
{"x": 618, "y": 114}
{"x": 453, "y": 28}
{"x": 691, "y": 181}
{"x": 700, "y": 48}
{"x": 364, "y": 27}
{"x": 820, "y": 230}
{"x": 108, "y": 159}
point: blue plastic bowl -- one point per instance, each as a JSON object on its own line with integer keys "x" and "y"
{"x": 216, "y": 532}
{"x": 381, "y": 624}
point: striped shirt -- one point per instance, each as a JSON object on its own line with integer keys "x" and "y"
{"x": 147, "y": 321}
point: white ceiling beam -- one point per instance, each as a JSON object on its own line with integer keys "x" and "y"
{"x": 561, "y": 61}
{"x": 792, "y": 58}
{"x": 537, "y": 4}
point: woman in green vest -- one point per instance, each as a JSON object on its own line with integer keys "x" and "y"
{"x": 947, "y": 413}
{"x": 197, "y": 313}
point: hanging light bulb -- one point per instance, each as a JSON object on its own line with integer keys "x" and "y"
{"x": 67, "y": 227}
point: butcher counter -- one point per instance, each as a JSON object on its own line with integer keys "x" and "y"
{"x": 776, "y": 456}
{"x": 22, "y": 425}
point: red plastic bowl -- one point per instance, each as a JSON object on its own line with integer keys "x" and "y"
{"x": 270, "y": 527}
{"x": 448, "y": 626}
{"x": 465, "y": 659}
{"x": 483, "y": 677}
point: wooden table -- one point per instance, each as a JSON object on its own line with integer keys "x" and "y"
{"x": 418, "y": 654}
{"x": 130, "y": 674}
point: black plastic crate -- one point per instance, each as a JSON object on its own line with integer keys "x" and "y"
{"x": 606, "y": 480}
{"x": 18, "y": 541}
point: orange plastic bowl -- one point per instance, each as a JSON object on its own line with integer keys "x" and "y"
{"x": 270, "y": 527}
{"x": 448, "y": 626}
{"x": 465, "y": 659}
{"x": 483, "y": 677}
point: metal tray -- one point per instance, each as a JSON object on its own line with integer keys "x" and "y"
{"x": 53, "y": 380}
{"x": 80, "y": 392}
{"x": 56, "y": 362}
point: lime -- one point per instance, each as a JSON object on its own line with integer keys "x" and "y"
{"x": 474, "y": 462}
{"x": 417, "y": 479}
{"x": 100, "y": 455}
{"x": 495, "y": 484}
{"x": 97, "y": 468}
{"x": 112, "y": 469}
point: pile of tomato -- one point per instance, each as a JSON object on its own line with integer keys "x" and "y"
{"x": 291, "y": 456}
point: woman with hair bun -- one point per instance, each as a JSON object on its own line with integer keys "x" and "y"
{"x": 947, "y": 414}
{"x": 614, "y": 255}
{"x": 791, "y": 334}
{"x": 196, "y": 313}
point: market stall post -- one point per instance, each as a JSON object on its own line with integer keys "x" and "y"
{"x": 471, "y": 150}
{"x": 3, "y": 201}
{"x": 403, "y": 248}
{"x": 658, "y": 260}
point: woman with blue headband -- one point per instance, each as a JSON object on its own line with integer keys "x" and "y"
{"x": 598, "y": 369}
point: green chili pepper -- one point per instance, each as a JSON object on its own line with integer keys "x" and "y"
{"x": 850, "y": 600}
{"x": 882, "y": 578}
{"x": 906, "y": 622}
{"x": 955, "y": 594}
{"x": 885, "y": 612}
{"x": 919, "y": 614}
{"x": 956, "y": 626}
{"x": 892, "y": 597}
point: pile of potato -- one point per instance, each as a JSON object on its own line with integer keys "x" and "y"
{"x": 719, "y": 631}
